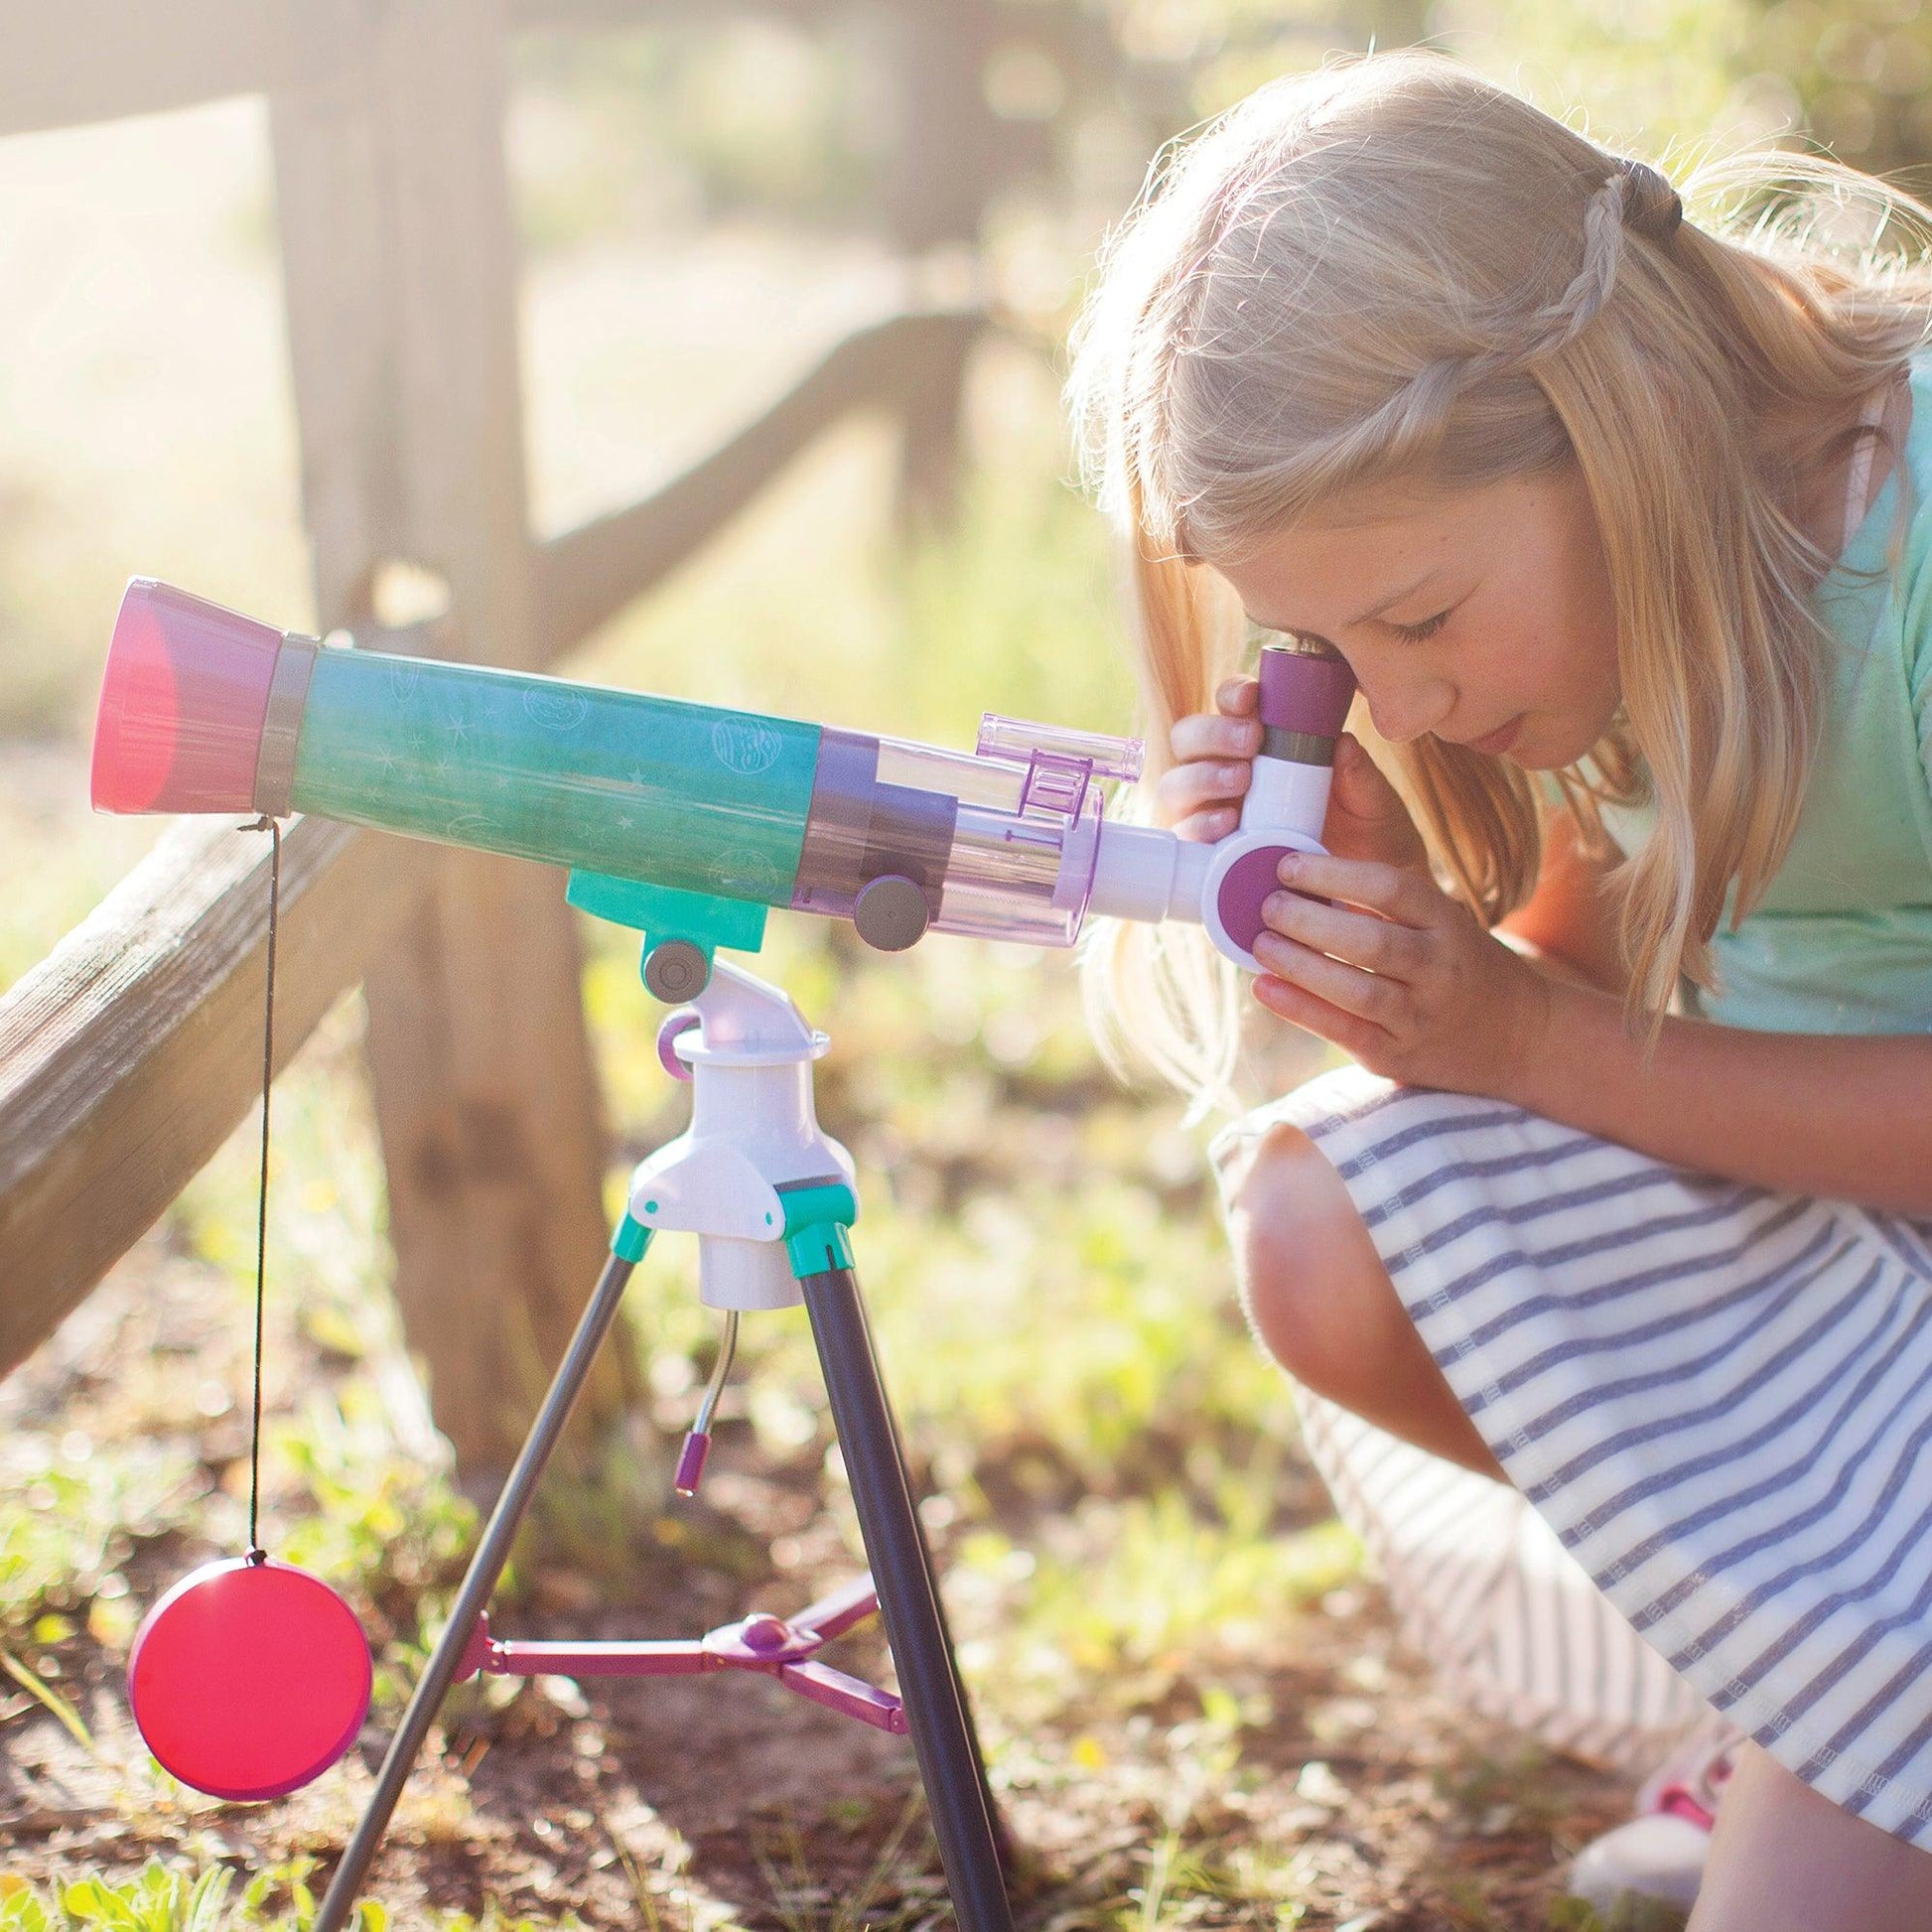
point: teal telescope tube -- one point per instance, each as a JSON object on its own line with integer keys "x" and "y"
{"x": 205, "y": 709}
{"x": 616, "y": 783}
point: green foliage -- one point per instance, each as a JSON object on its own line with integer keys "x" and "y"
{"x": 1130, "y": 1598}
{"x": 177, "y": 1898}
{"x": 1859, "y": 73}
{"x": 70, "y": 1511}
{"x": 373, "y": 1520}
{"x": 721, "y": 118}
{"x": 1631, "y": 1912}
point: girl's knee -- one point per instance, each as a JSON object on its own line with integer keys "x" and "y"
{"x": 1785, "y": 1858}
{"x": 1306, "y": 1264}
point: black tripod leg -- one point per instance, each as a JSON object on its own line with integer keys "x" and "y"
{"x": 485, "y": 1568}
{"x": 935, "y": 1704}
{"x": 1002, "y": 1837}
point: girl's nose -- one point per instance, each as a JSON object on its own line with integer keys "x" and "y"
{"x": 1403, "y": 713}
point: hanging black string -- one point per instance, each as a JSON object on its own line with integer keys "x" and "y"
{"x": 256, "y": 1554}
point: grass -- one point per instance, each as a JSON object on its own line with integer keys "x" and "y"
{"x": 162, "y": 1898}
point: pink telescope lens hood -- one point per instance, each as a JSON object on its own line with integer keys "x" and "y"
{"x": 182, "y": 704}
{"x": 1304, "y": 691}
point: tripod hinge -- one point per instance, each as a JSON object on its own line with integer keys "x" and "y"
{"x": 817, "y": 1214}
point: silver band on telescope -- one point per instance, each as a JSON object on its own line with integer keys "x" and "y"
{"x": 1297, "y": 748}
{"x": 287, "y": 692}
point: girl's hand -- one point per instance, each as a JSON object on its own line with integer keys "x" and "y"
{"x": 1400, "y": 976}
{"x": 1199, "y": 797}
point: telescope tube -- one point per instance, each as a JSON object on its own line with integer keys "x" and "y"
{"x": 204, "y": 710}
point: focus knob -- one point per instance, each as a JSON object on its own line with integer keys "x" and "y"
{"x": 890, "y": 913}
{"x": 677, "y": 971}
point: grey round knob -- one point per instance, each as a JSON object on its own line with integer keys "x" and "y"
{"x": 677, "y": 971}
{"x": 890, "y": 913}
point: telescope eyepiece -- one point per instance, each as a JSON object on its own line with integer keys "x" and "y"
{"x": 1306, "y": 691}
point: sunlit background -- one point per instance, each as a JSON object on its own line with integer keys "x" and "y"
{"x": 704, "y": 205}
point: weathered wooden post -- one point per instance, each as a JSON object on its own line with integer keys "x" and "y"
{"x": 401, "y": 288}
{"x": 945, "y": 164}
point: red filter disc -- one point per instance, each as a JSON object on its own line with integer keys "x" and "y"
{"x": 249, "y": 1678}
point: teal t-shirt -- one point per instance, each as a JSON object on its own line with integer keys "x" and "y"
{"x": 1842, "y": 940}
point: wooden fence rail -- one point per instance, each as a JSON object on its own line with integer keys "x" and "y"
{"x": 106, "y": 60}
{"x": 130, "y": 1054}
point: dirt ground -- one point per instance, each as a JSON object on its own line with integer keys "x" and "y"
{"x": 1349, "y": 1796}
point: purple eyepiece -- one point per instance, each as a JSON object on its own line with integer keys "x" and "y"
{"x": 182, "y": 704}
{"x": 1304, "y": 690}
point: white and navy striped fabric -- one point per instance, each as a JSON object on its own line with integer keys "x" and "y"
{"x": 1715, "y": 1406}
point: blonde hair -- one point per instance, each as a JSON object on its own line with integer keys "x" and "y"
{"x": 1394, "y": 271}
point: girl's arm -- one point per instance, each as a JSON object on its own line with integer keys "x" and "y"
{"x": 1848, "y": 1116}
{"x": 1405, "y": 979}
{"x": 1786, "y": 1110}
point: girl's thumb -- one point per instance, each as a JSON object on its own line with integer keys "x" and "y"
{"x": 1358, "y": 786}
{"x": 1366, "y": 816}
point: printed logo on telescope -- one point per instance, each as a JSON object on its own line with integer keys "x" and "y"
{"x": 744, "y": 874}
{"x": 555, "y": 711}
{"x": 745, "y": 746}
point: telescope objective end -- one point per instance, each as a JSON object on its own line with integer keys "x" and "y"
{"x": 183, "y": 704}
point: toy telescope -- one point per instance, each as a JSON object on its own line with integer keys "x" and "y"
{"x": 687, "y": 821}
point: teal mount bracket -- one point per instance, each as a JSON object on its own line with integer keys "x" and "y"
{"x": 662, "y": 913}
{"x": 817, "y": 1216}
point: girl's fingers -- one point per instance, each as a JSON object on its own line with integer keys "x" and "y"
{"x": 1200, "y": 786}
{"x": 1286, "y": 1001}
{"x": 1202, "y": 782}
{"x": 1342, "y": 985}
{"x": 1377, "y": 945}
{"x": 1398, "y": 892}
{"x": 1213, "y": 735}
{"x": 1204, "y": 828}
{"x": 1239, "y": 696}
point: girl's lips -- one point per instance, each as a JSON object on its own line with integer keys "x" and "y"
{"x": 1500, "y": 739}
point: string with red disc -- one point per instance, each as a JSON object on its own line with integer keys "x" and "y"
{"x": 256, "y": 1554}
{"x": 251, "y": 1677}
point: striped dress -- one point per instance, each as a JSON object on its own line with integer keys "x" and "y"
{"x": 1714, "y": 1401}
{"x": 1715, "y": 1407}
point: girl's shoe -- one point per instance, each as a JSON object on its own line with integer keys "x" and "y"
{"x": 1659, "y": 1854}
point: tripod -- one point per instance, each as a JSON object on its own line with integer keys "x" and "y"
{"x": 770, "y": 1199}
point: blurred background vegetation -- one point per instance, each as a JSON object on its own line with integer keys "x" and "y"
{"x": 704, "y": 203}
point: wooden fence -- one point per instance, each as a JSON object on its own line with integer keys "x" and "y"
{"x": 133, "y": 1051}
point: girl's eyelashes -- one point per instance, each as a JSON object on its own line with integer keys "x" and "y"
{"x": 1415, "y": 633}
{"x": 1410, "y": 633}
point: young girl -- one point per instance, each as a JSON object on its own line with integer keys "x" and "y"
{"x": 1607, "y": 1270}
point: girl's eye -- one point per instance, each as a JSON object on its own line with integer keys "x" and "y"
{"x": 1415, "y": 633}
